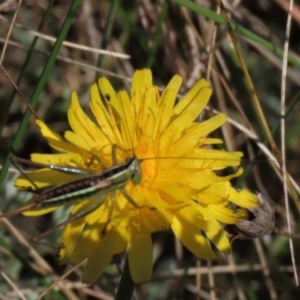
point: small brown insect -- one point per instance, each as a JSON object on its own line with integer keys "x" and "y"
{"x": 261, "y": 221}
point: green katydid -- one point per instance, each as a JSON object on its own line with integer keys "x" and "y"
{"x": 88, "y": 186}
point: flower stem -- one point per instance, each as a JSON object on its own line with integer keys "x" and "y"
{"x": 126, "y": 285}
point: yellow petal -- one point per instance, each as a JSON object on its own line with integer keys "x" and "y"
{"x": 141, "y": 81}
{"x": 70, "y": 237}
{"x": 226, "y": 215}
{"x": 140, "y": 255}
{"x": 101, "y": 257}
{"x": 202, "y": 129}
{"x": 127, "y": 117}
{"x": 117, "y": 104}
{"x": 54, "y": 139}
{"x": 216, "y": 159}
{"x": 60, "y": 159}
{"x": 81, "y": 124}
{"x": 243, "y": 198}
{"x": 38, "y": 211}
{"x": 42, "y": 178}
{"x": 214, "y": 231}
{"x": 199, "y": 94}
{"x": 86, "y": 243}
{"x": 102, "y": 116}
{"x": 191, "y": 238}
{"x": 46, "y": 132}
{"x": 167, "y": 101}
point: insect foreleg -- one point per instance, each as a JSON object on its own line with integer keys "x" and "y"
{"x": 131, "y": 200}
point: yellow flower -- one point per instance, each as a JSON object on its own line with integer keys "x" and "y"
{"x": 180, "y": 188}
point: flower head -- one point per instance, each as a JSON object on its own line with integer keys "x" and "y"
{"x": 179, "y": 189}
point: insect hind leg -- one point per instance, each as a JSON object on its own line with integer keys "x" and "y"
{"x": 15, "y": 160}
{"x": 89, "y": 208}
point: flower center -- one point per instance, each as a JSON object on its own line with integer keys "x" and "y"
{"x": 148, "y": 165}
